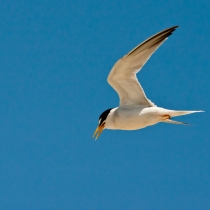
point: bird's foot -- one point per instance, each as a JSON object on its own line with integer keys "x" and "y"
{"x": 165, "y": 117}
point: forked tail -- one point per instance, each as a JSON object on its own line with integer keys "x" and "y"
{"x": 172, "y": 113}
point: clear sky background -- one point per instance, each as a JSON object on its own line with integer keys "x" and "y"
{"x": 54, "y": 60}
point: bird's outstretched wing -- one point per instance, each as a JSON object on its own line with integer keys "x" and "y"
{"x": 123, "y": 74}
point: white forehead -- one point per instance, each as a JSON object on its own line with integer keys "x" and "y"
{"x": 99, "y": 121}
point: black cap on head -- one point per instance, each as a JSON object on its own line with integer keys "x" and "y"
{"x": 104, "y": 115}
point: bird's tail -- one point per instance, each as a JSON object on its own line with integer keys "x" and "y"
{"x": 172, "y": 113}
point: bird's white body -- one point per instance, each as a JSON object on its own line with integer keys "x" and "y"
{"x": 127, "y": 118}
{"x": 135, "y": 111}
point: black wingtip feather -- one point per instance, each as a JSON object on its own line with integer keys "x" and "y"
{"x": 162, "y": 36}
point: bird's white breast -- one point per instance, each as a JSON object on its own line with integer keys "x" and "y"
{"x": 132, "y": 118}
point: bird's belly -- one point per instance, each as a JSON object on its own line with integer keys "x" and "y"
{"x": 131, "y": 120}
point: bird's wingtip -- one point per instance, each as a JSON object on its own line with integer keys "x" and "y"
{"x": 174, "y": 27}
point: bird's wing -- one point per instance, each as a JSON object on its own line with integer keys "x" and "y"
{"x": 123, "y": 74}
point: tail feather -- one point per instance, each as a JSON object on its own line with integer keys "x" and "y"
{"x": 173, "y": 113}
{"x": 179, "y": 113}
{"x": 175, "y": 122}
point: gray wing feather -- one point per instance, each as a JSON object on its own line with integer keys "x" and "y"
{"x": 123, "y": 74}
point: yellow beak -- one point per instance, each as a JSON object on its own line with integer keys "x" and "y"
{"x": 98, "y": 131}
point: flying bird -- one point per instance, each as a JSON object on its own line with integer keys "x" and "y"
{"x": 135, "y": 111}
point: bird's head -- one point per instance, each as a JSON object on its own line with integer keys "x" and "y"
{"x": 101, "y": 123}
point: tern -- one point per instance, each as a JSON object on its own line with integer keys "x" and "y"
{"x": 135, "y": 111}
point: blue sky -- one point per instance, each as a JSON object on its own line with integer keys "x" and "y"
{"x": 55, "y": 58}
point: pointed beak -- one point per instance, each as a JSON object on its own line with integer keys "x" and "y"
{"x": 98, "y": 131}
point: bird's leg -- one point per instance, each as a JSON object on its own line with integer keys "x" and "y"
{"x": 165, "y": 117}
